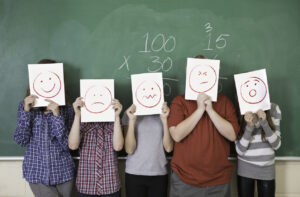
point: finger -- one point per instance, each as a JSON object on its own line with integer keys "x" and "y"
{"x": 49, "y": 100}
{"x": 79, "y": 98}
{"x": 33, "y": 96}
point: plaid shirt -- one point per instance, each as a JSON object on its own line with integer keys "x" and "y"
{"x": 98, "y": 166}
{"x": 47, "y": 159}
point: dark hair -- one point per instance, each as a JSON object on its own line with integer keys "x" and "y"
{"x": 263, "y": 134}
{"x": 200, "y": 57}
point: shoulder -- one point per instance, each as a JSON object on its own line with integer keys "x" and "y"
{"x": 21, "y": 104}
{"x": 66, "y": 110}
{"x": 224, "y": 100}
{"x": 178, "y": 98}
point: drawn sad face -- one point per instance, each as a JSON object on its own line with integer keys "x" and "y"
{"x": 47, "y": 84}
{"x": 97, "y": 99}
{"x": 253, "y": 90}
{"x": 202, "y": 78}
{"x": 148, "y": 94}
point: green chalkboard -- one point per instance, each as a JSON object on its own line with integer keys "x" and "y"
{"x": 117, "y": 38}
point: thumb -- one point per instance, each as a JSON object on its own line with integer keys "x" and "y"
{"x": 48, "y": 100}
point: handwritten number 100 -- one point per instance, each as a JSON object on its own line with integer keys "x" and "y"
{"x": 159, "y": 42}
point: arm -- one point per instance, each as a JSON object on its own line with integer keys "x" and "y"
{"x": 185, "y": 127}
{"x": 167, "y": 140}
{"x": 273, "y": 137}
{"x": 74, "y": 136}
{"x": 243, "y": 144}
{"x": 23, "y": 131}
{"x": 59, "y": 129}
{"x": 223, "y": 126}
{"x": 130, "y": 140}
{"x": 118, "y": 139}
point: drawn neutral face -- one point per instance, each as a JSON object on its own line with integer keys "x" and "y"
{"x": 47, "y": 84}
{"x": 202, "y": 78}
{"x": 97, "y": 99}
{"x": 253, "y": 90}
{"x": 148, "y": 94}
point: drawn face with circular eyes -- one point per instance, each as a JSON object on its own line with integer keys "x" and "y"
{"x": 202, "y": 78}
{"x": 253, "y": 90}
{"x": 47, "y": 84}
{"x": 97, "y": 99}
{"x": 148, "y": 94}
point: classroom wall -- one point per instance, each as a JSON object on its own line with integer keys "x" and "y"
{"x": 13, "y": 185}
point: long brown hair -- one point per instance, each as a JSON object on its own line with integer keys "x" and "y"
{"x": 263, "y": 134}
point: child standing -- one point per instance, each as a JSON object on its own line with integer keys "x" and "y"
{"x": 48, "y": 165}
{"x": 98, "y": 142}
{"x": 259, "y": 137}
{"x": 147, "y": 138}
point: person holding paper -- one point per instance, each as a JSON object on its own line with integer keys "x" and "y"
{"x": 48, "y": 165}
{"x": 98, "y": 142}
{"x": 146, "y": 140}
{"x": 255, "y": 145}
{"x": 202, "y": 131}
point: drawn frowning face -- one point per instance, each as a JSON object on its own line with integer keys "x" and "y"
{"x": 202, "y": 78}
{"x": 97, "y": 99}
{"x": 148, "y": 94}
{"x": 47, "y": 84}
{"x": 253, "y": 90}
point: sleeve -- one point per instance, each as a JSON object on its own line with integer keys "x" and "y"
{"x": 23, "y": 131}
{"x": 273, "y": 137}
{"x": 231, "y": 116}
{"x": 242, "y": 145}
{"x": 176, "y": 115}
{"x": 61, "y": 125}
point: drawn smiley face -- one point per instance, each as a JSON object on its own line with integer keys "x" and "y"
{"x": 148, "y": 94}
{"x": 47, "y": 84}
{"x": 253, "y": 90}
{"x": 202, "y": 78}
{"x": 97, "y": 99}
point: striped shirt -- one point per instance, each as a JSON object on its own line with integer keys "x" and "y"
{"x": 98, "y": 165}
{"x": 256, "y": 158}
{"x": 47, "y": 159}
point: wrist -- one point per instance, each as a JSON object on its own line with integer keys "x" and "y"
{"x": 26, "y": 108}
{"x": 56, "y": 112}
{"x": 209, "y": 110}
{"x": 200, "y": 110}
{"x": 77, "y": 114}
{"x": 164, "y": 119}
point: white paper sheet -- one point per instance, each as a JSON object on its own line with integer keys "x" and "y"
{"x": 202, "y": 76}
{"x": 147, "y": 93}
{"x": 47, "y": 82}
{"x": 97, "y": 96}
{"x": 252, "y": 90}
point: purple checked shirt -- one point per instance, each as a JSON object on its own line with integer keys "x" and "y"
{"x": 47, "y": 159}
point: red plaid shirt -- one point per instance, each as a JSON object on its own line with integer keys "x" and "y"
{"x": 98, "y": 165}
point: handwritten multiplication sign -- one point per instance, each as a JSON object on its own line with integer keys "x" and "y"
{"x": 147, "y": 93}
{"x": 97, "y": 95}
{"x": 202, "y": 76}
{"x": 252, "y": 90}
{"x": 46, "y": 81}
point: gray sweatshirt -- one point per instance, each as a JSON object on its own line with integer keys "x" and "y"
{"x": 256, "y": 158}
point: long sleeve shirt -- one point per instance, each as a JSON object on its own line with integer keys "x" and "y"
{"x": 256, "y": 157}
{"x": 47, "y": 159}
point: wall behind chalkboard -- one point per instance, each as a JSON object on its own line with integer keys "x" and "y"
{"x": 114, "y": 39}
